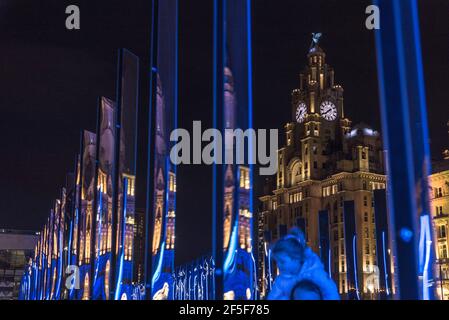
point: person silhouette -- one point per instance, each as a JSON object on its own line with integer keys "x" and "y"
{"x": 301, "y": 273}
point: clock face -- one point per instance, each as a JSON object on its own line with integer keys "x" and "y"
{"x": 328, "y": 111}
{"x": 301, "y": 112}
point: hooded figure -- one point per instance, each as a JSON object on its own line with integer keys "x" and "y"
{"x": 302, "y": 275}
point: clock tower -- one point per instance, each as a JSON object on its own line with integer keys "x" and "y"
{"x": 318, "y": 119}
{"x": 325, "y": 164}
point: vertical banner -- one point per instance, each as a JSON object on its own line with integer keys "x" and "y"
{"x": 163, "y": 177}
{"x": 50, "y": 260}
{"x": 75, "y": 225}
{"x": 351, "y": 250}
{"x": 42, "y": 265}
{"x": 267, "y": 276}
{"x": 232, "y": 199}
{"x": 35, "y": 270}
{"x": 106, "y": 140}
{"x": 324, "y": 245}
{"x": 43, "y": 271}
{"x": 87, "y": 189}
{"x": 58, "y": 247}
{"x": 383, "y": 245}
{"x": 301, "y": 224}
{"x": 70, "y": 224}
{"x": 125, "y": 144}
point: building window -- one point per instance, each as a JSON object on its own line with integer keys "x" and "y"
{"x": 365, "y": 217}
{"x": 334, "y": 189}
{"x": 365, "y": 201}
{"x": 367, "y": 248}
{"x": 443, "y": 251}
{"x": 364, "y": 185}
{"x": 367, "y": 265}
{"x": 442, "y": 231}
{"x": 366, "y": 233}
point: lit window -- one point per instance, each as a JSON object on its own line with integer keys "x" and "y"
{"x": 247, "y": 184}
{"x": 442, "y": 231}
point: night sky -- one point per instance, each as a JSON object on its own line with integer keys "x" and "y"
{"x": 51, "y": 77}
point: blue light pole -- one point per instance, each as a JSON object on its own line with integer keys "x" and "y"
{"x": 404, "y": 124}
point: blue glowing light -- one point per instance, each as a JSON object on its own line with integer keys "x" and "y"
{"x": 425, "y": 248}
{"x": 355, "y": 266}
{"x": 122, "y": 247}
{"x": 406, "y": 234}
{"x": 384, "y": 248}
{"x": 229, "y": 261}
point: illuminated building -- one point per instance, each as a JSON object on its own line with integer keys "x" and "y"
{"x": 325, "y": 164}
{"x": 439, "y": 205}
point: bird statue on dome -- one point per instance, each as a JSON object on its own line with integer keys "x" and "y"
{"x": 315, "y": 39}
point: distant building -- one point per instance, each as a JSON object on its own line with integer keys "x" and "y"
{"x": 16, "y": 247}
{"x": 439, "y": 205}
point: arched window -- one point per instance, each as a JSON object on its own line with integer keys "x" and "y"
{"x": 106, "y": 279}
{"x": 86, "y": 287}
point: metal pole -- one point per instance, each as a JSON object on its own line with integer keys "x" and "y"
{"x": 116, "y": 176}
{"x": 218, "y": 169}
{"x": 148, "y": 263}
{"x": 405, "y": 133}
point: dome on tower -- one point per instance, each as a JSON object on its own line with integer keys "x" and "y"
{"x": 315, "y": 49}
{"x": 362, "y": 129}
